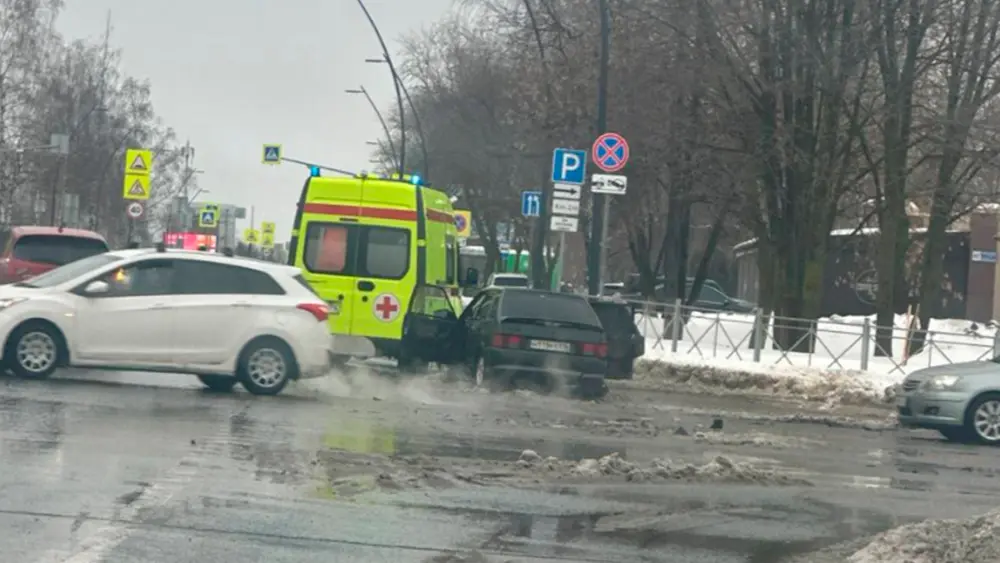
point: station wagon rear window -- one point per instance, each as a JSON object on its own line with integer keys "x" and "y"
{"x": 56, "y": 250}
{"x": 544, "y": 306}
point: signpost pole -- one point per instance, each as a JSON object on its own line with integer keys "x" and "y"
{"x": 559, "y": 261}
{"x": 599, "y": 202}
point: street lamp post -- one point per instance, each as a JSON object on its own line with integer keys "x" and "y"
{"x": 413, "y": 110}
{"x": 599, "y": 215}
{"x": 399, "y": 95}
{"x": 385, "y": 127}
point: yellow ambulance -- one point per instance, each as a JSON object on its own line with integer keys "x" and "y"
{"x": 363, "y": 244}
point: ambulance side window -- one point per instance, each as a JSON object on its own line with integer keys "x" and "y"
{"x": 385, "y": 252}
{"x": 328, "y": 248}
{"x": 449, "y": 259}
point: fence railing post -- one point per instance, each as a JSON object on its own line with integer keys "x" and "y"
{"x": 996, "y": 343}
{"x": 866, "y": 340}
{"x": 758, "y": 334}
{"x": 677, "y": 321}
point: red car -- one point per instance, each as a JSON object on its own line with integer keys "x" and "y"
{"x": 31, "y": 250}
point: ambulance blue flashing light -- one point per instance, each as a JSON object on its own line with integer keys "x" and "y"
{"x": 416, "y": 180}
{"x": 314, "y": 171}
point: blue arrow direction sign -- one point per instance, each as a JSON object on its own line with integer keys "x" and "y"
{"x": 569, "y": 166}
{"x": 531, "y": 204}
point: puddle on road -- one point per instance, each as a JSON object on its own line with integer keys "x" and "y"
{"x": 768, "y": 534}
{"x": 359, "y": 436}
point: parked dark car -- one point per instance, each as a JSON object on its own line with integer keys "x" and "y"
{"x": 625, "y": 342}
{"x": 711, "y": 298}
{"x": 511, "y": 337}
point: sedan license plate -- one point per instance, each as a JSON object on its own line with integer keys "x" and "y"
{"x": 901, "y": 401}
{"x": 550, "y": 346}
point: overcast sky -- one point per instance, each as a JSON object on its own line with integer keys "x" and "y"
{"x": 231, "y": 75}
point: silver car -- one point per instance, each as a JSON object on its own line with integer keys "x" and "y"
{"x": 961, "y": 401}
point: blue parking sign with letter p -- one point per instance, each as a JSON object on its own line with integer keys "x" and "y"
{"x": 569, "y": 166}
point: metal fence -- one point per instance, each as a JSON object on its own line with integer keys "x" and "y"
{"x": 847, "y": 343}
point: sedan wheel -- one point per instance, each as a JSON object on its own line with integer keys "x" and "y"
{"x": 33, "y": 351}
{"x": 984, "y": 419}
{"x": 266, "y": 367}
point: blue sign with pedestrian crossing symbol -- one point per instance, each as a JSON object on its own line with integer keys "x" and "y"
{"x": 272, "y": 154}
{"x": 208, "y": 218}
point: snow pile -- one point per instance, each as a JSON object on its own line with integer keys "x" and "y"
{"x": 829, "y": 387}
{"x": 757, "y": 439}
{"x": 975, "y": 540}
{"x": 719, "y": 469}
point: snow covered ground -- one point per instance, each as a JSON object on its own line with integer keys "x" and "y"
{"x": 723, "y": 341}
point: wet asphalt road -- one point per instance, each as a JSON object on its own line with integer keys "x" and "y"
{"x": 96, "y": 468}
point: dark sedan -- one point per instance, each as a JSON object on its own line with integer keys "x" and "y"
{"x": 514, "y": 337}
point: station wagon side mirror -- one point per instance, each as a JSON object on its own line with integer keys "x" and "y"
{"x": 471, "y": 277}
{"x": 97, "y": 287}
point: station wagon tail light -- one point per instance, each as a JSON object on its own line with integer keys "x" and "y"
{"x": 318, "y": 310}
{"x": 599, "y": 350}
{"x": 506, "y": 341}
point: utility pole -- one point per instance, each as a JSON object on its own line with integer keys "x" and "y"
{"x": 252, "y": 226}
{"x": 395, "y": 83}
{"x": 598, "y": 214}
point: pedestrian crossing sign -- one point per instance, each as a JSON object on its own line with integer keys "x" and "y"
{"x": 251, "y": 236}
{"x": 207, "y": 218}
{"x": 267, "y": 240}
{"x": 272, "y": 154}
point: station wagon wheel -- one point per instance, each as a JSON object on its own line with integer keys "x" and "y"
{"x": 266, "y": 366}
{"x": 983, "y": 419}
{"x": 33, "y": 350}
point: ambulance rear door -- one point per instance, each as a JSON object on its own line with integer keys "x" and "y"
{"x": 330, "y": 234}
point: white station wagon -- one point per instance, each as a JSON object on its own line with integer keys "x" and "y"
{"x": 227, "y": 320}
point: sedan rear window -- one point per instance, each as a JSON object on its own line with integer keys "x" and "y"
{"x": 551, "y": 307}
{"x": 510, "y": 281}
{"x": 56, "y": 250}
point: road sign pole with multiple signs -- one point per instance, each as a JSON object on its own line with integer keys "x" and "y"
{"x": 610, "y": 153}
{"x": 267, "y": 235}
{"x": 569, "y": 172}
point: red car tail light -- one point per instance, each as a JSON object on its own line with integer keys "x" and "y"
{"x": 318, "y": 310}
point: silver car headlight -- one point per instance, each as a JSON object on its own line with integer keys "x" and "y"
{"x": 10, "y": 302}
{"x": 941, "y": 382}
